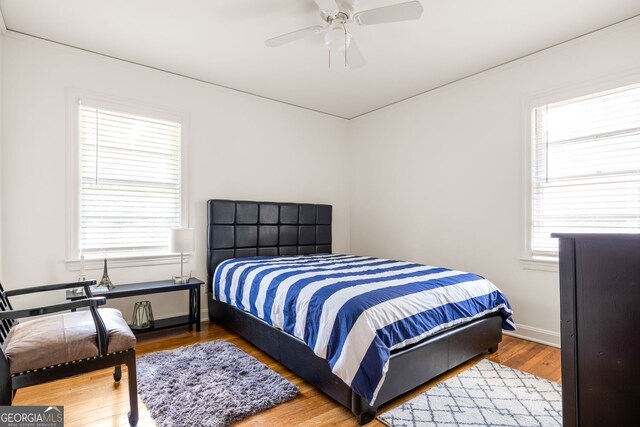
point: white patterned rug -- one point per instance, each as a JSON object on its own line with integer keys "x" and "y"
{"x": 487, "y": 394}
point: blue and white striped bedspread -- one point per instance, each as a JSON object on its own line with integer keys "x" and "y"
{"x": 352, "y": 310}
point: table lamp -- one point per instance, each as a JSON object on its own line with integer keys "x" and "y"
{"x": 182, "y": 240}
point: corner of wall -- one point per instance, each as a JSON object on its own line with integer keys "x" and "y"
{"x": 2, "y": 31}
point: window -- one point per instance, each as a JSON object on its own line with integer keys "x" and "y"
{"x": 129, "y": 182}
{"x": 585, "y": 171}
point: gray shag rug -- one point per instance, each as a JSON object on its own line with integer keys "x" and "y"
{"x": 209, "y": 384}
{"x": 487, "y": 394}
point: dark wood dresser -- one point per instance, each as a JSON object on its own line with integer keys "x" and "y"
{"x": 600, "y": 314}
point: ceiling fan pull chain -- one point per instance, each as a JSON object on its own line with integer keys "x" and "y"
{"x": 345, "y": 44}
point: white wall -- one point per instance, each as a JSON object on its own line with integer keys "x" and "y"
{"x": 438, "y": 179}
{"x": 239, "y": 146}
{"x": 1, "y": 138}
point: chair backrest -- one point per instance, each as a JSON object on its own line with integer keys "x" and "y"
{"x": 5, "y": 324}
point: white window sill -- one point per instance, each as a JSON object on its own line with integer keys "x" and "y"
{"x": 128, "y": 261}
{"x": 540, "y": 264}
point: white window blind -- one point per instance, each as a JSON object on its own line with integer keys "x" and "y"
{"x": 586, "y": 167}
{"x": 130, "y": 185}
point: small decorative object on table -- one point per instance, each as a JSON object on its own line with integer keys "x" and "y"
{"x": 106, "y": 282}
{"x": 182, "y": 240}
{"x": 142, "y": 315}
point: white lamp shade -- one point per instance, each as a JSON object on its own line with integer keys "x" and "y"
{"x": 182, "y": 240}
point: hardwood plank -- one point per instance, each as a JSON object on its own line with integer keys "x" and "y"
{"x": 94, "y": 399}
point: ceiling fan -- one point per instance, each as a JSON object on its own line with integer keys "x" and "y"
{"x": 337, "y": 14}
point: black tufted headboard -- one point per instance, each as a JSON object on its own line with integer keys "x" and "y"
{"x": 242, "y": 229}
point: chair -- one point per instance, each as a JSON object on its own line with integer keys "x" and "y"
{"x": 50, "y": 348}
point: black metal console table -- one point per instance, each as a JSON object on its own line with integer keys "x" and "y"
{"x": 157, "y": 287}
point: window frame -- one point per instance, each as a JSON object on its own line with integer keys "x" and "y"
{"x": 73, "y": 99}
{"x": 528, "y": 260}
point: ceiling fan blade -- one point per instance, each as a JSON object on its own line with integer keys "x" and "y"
{"x": 394, "y": 13}
{"x": 293, "y": 36}
{"x": 327, "y": 5}
{"x": 354, "y": 56}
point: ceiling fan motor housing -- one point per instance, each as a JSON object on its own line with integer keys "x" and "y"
{"x": 346, "y": 10}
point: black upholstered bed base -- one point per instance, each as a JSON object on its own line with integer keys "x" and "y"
{"x": 408, "y": 368}
{"x": 237, "y": 229}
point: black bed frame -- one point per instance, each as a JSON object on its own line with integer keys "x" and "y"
{"x": 242, "y": 229}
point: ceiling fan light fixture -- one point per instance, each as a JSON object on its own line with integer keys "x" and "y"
{"x": 337, "y": 39}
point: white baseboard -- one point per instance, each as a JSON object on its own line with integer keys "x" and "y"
{"x": 530, "y": 333}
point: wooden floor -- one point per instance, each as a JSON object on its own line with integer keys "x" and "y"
{"x": 94, "y": 400}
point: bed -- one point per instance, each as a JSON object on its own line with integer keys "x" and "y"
{"x": 258, "y": 255}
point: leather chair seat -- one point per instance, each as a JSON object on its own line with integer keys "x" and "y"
{"x": 63, "y": 338}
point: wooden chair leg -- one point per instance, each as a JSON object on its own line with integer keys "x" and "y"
{"x": 117, "y": 373}
{"x": 133, "y": 389}
{"x": 6, "y": 389}
{"x": 6, "y": 396}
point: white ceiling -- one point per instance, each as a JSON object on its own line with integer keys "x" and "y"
{"x": 222, "y": 42}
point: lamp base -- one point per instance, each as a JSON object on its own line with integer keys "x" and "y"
{"x": 181, "y": 279}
